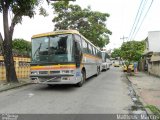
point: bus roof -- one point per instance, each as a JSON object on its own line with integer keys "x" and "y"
{"x": 55, "y": 33}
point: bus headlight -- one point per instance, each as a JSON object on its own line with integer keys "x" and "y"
{"x": 34, "y": 72}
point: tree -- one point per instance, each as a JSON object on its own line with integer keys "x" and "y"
{"x": 19, "y": 8}
{"x": 116, "y": 53}
{"x": 22, "y": 46}
{"x": 90, "y": 23}
{"x": 132, "y": 50}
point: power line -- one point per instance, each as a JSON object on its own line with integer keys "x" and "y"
{"x": 136, "y": 17}
{"x": 142, "y": 10}
{"x": 143, "y": 19}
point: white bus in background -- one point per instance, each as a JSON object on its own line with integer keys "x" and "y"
{"x": 106, "y": 62}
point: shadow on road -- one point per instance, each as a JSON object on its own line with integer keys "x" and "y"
{"x": 66, "y": 88}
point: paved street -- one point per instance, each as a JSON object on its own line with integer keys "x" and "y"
{"x": 107, "y": 93}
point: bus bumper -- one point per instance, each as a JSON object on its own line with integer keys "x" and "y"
{"x": 56, "y": 80}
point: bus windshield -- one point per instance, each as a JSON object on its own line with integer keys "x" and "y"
{"x": 54, "y": 49}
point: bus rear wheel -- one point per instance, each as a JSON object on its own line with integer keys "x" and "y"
{"x": 82, "y": 79}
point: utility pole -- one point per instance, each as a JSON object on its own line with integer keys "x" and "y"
{"x": 123, "y": 38}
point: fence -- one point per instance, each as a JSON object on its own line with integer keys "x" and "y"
{"x": 22, "y": 67}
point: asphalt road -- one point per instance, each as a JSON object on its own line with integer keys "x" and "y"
{"x": 107, "y": 93}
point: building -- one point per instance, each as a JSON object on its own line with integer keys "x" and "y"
{"x": 151, "y": 56}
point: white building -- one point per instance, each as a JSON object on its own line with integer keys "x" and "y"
{"x": 153, "y": 42}
{"x": 152, "y": 52}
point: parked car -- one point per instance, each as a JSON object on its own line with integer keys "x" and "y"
{"x": 116, "y": 64}
{"x": 124, "y": 67}
{"x": 131, "y": 66}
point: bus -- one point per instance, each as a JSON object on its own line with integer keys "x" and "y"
{"x": 106, "y": 63}
{"x": 63, "y": 57}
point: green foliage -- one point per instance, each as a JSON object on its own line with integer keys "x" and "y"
{"x": 154, "y": 110}
{"x": 21, "y": 46}
{"x": 116, "y": 53}
{"x": 89, "y": 23}
{"x": 132, "y": 50}
{"x": 23, "y": 8}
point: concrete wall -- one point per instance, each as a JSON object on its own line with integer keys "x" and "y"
{"x": 154, "y": 68}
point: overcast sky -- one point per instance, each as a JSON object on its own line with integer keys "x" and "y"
{"x": 122, "y": 15}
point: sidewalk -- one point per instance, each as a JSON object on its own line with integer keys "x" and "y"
{"x": 147, "y": 87}
{"x": 7, "y": 86}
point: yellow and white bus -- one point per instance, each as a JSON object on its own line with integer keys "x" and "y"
{"x": 63, "y": 57}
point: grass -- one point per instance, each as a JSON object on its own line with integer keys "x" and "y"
{"x": 154, "y": 110}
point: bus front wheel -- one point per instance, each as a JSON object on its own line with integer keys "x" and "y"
{"x": 82, "y": 79}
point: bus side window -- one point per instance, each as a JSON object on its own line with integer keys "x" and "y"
{"x": 78, "y": 39}
{"x": 96, "y": 52}
{"x": 84, "y": 44}
{"x": 93, "y": 51}
{"x": 89, "y": 49}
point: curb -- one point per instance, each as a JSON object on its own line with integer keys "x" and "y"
{"x": 140, "y": 99}
{"x": 14, "y": 86}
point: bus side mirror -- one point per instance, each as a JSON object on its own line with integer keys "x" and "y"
{"x": 78, "y": 54}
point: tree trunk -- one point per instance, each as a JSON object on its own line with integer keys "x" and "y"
{"x": 9, "y": 63}
{"x": 7, "y": 47}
